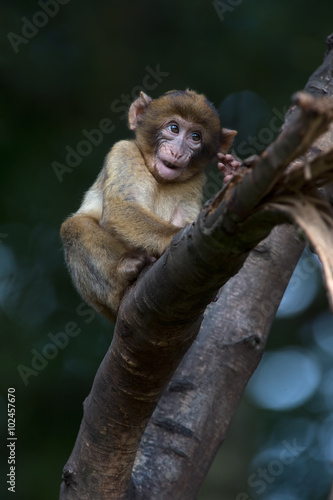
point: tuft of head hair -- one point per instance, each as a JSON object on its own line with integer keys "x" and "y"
{"x": 189, "y": 105}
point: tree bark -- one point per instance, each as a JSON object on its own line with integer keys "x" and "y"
{"x": 159, "y": 320}
{"x": 194, "y": 413}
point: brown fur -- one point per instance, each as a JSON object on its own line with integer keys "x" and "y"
{"x": 128, "y": 217}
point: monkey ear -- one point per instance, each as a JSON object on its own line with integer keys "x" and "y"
{"x": 227, "y": 140}
{"x": 137, "y": 109}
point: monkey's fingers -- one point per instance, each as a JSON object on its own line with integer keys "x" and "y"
{"x": 227, "y": 178}
{"x": 227, "y": 172}
{"x": 228, "y": 159}
{"x": 228, "y": 165}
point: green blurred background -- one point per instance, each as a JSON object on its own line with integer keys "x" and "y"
{"x": 70, "y": 67}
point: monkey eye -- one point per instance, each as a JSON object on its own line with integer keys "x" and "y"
{"x": 173, "y": 128}
{"x": 196, "y": 137}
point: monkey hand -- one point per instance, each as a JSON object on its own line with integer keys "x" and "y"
{"x": 228, "y": 165}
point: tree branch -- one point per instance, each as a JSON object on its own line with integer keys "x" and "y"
{"x": 195, "y": 411}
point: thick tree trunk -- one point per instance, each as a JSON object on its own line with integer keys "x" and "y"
{"x": 194, "y": 413}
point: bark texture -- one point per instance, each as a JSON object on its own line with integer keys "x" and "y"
{"x": 194, "y": 413}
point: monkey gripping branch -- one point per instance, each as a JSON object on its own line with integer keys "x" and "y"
{"x": 160, "y": 315}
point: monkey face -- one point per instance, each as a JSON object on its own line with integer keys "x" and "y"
{"x": 178, "y": 134}
{"x": 178, "y": 142}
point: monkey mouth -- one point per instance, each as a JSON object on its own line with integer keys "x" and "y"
{"x": 170, "y": 165}
{"x": 167, "y": 170}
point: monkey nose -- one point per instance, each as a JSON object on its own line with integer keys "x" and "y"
{"x": 177, "y": 156}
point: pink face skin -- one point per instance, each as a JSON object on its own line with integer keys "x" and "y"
{"x": 178, "y": 140}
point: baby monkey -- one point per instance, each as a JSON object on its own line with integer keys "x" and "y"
{"x": 147, "y": 190}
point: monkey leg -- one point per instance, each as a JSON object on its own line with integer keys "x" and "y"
{"x": 100, "y": 266}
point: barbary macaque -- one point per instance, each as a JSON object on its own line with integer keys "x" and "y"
{"x": 147, "y": 190}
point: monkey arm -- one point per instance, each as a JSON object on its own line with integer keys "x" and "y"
{"x": 137, "y": 226}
